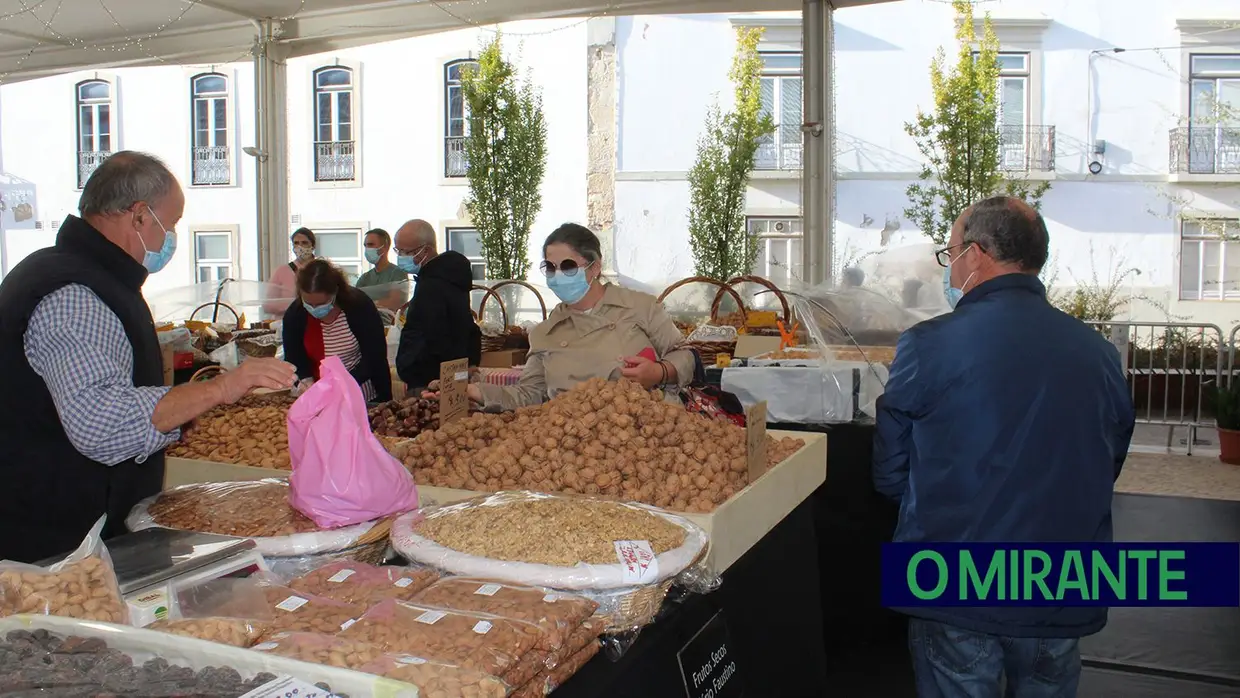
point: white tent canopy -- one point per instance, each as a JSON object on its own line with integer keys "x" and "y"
{"x": 47, "y": 37}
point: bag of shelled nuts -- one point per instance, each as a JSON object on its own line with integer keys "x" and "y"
{"x": 557, "y": 615}
{"x": 353, "y": 582}
{"x": 489, "y": 644}
{"x": 83, "y": 585}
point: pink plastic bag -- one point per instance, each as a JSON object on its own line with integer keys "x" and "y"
{"x": 341, "y": 474}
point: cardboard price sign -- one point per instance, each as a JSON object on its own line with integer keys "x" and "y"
{"x": 453, "y": 390}
{"x": 755, "y": 440}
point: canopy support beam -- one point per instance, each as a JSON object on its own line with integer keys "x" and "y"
{"x": 270, "y": 111}
{"x": 818, "y": 161}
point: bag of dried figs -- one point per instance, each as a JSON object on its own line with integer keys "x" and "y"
{"x": 83, "y": 585}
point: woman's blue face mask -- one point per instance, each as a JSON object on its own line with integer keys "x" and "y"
{"x": 319, "y": 312}
{"x": 570, "y": 287}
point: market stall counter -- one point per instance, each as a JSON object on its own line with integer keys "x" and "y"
{"x": 763, "y": 548}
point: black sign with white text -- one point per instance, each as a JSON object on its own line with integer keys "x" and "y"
{"x": 707, "y": 663}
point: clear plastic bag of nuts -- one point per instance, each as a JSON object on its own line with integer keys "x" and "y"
{"x": 231, "y": 612}
{"x": 496, "y": 646}
{"x": 83, "y": 585}
{"x": 353, "y": 582}
{"x": 546, "y": 682}
{"x": 433, "y": 679}
{"x": 293, "y": 611}
{"x": 557, "y": 615}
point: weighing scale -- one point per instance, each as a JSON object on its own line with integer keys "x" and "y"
{"x": 155, "y": 564}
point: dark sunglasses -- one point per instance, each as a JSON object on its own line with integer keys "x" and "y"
{"x": 568, "y": 267}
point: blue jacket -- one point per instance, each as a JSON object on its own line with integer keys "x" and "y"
{"x": 1005, "y": 420}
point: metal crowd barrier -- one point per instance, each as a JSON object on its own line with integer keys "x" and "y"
{"x": 1171, "y": 367}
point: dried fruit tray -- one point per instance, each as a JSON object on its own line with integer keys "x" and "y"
{"x": 142, "y": 645}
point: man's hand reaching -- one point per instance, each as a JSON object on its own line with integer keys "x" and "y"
{"x": 272, "y": 374}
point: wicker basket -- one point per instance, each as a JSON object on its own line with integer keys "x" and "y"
{"x": 708, "y": 350}
{"x": 750, "y": 279}
{"x": 639, "y": 608}
{"x": 247, "y": 343}
{"x": 371, "y": 548}
{"x": 217, "y": 305}
{"x": 513, "y": 337}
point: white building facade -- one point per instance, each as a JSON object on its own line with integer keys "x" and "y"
{"x": 1129, "y": 108}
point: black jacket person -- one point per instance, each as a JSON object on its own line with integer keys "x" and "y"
{"x": 84, "y": 414}
{"x": 439, "y": 325}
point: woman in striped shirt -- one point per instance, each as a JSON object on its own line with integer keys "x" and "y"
{"x": 334, "y": 319}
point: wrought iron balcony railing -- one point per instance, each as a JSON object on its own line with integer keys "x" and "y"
{"x": 780, "y": 150}
{"x": 1205, "y": 150}
{"x": 454, "y": 162}
{"x": 1027, "y": 148}
{"x": 334, "y": 161}
{"x": 212, "y": 165}
{"x": 88, "y": 160}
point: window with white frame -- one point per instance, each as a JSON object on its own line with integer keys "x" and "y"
{"x": 468, "y": 242}
{"x": 782, "y": 100}
{"x": 214, "y": 254}
{"x": 342, "y": 247}
{"x": 1013, "y": 110}
{"x": 335, "y": 136}
{"x": 455, "y": 118}
{"x": 1214, "y": 114}
{"x": 211, "y": 158}
{"x": 94, "y": 126}
{"x": 779, "y": 248}
{"x": 1209, "y": 259}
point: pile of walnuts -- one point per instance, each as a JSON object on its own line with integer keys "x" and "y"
{"x": 406, "y": 418}
{"x": 254, "y": 431}
{"x": 613, "y": 439}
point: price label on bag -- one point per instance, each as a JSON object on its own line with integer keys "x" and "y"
{"x": 755, "y": 440}
{"x": 289, "y": 687}
{"x": 453, "y": 390}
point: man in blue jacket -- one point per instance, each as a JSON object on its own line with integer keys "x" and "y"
{"x": 1005, "y": 420}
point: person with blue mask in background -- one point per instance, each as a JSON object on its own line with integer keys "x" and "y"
{"x": 1003, "y": 421}
{"x": 87, "y": 414}
{"x": 599, "y": 330}
{"x": 439, "y": 324}
{"x": 331, "y": 318}
{"x": 386, "y": 284}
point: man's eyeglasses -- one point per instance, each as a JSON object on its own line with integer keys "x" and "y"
{"x": 568, "y": 267}
{"x": 944, "y": 256}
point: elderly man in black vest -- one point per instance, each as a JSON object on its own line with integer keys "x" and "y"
{"x": 84, "y": 414}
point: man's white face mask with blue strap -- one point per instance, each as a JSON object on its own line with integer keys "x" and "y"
{"x": 950, "y": 292}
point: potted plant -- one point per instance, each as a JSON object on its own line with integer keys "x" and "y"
{"x": 1227, "y": 418}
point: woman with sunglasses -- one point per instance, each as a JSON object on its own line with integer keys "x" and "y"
{"x": 331, "y": 318}
{"x": 597, "y": 330}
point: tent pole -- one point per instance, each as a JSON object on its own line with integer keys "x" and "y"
{"x": 817, "y": 196}
{"x": 271, "y": 136}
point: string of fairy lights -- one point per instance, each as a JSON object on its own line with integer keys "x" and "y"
{"x": 49, "y": 37}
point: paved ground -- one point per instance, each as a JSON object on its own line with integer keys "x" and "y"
{"x": 1152, "y": 468}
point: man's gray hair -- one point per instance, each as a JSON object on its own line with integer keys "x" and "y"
{"x": 123, "y": 180}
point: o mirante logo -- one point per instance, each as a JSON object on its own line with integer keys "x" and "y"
{"x": 1061, "y": 574}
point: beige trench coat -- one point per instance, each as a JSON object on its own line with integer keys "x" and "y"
{"x": 571, "y": 346}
